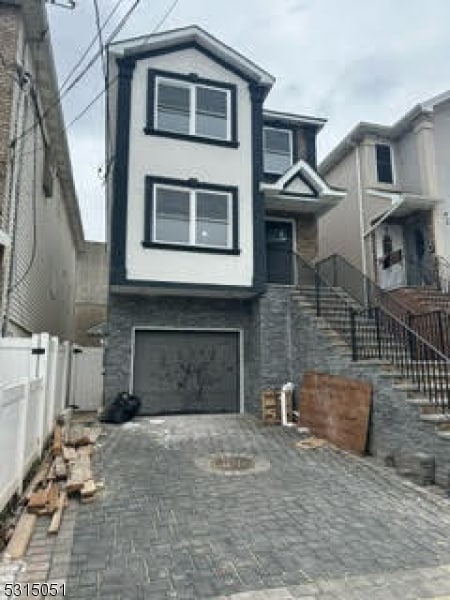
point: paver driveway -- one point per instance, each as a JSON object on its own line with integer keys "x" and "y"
{"x": 316, "y": 524}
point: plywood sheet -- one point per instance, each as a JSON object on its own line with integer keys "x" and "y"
{"x": 336, "y": 409}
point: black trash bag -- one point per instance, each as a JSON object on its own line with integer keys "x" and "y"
{"x": 123, "y": 408}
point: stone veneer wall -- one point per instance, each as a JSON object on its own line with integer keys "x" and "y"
{"x": 282, "y": 342}
{"x": 291, "y": 344}
{"x": 126, "y": 312}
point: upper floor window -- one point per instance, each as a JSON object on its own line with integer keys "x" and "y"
{"x": 385, "y": 173}
{"x": 191, "y": 216}
{"x": 277, "y": 148}
{"x": 187, "y": 108}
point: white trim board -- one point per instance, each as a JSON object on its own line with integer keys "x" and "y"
{"x": 240, "y": 333}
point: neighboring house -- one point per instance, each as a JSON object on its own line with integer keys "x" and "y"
{"x": 91, "y": 294}
{"x": 212, "y": 196}
{"x": 40, "y": 225}
{"x": 394, "y": 223}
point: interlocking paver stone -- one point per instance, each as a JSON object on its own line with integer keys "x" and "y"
{"x": 317, "y": 524}
{"x": 164, "y": 527}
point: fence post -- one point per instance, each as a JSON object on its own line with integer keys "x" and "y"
{"x": 352, "y": 314}
{"x": 21, "y": 434}
{"x": 52, "y": 379}
{"x": 317, "y": 285}
{"x": 377, "y": 325}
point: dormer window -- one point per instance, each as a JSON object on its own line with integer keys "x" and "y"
{"x": 277, "y": 147}
{"x": 385, "y": 173}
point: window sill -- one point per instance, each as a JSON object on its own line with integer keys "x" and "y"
{"x": 191, "y": 138}
{"x": 187, "y": 248}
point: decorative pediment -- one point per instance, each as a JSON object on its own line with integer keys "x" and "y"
{"x": 301, "y": 190}
{"x": 299, "y": 185}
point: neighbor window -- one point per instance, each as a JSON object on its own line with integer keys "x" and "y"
{"x": 384, "y": 163}
{"x": 192, "y": 217}
{"x": 192, "y": 109}
{"x": 277, "y": 150}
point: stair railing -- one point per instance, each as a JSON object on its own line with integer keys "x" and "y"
{"x": 337, "y": 271}
{"x": 373, "y": 332}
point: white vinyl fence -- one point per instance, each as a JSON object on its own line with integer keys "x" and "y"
{"x": 35, "y": 385}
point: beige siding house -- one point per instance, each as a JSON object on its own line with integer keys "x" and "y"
{"x": 91, "y": 294}
{"x": 40, "y": 225}
{"x": 394, "y": 222}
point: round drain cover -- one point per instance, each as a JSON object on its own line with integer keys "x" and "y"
{"x": 233, "y": 464}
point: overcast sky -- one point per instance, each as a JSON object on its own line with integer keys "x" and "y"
{"x": 345, "y": 60}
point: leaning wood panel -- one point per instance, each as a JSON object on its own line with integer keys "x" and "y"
{"x": 336, "y": 409}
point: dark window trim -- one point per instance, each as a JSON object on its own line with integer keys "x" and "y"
{"x": 291, "y": 153}
{"x": 192, "y": 184}
{"x": 275, "y": 124}
{"x": 193, "y": 78}
{"x": 135, "y": 56}
{"x": 380, "y": 164}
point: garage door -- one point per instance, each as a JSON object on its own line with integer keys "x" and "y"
{"x": 186, "y": 371}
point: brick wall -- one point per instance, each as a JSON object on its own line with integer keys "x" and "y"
{"x": 8, "y": 46}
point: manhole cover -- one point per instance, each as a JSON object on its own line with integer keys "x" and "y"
{"x": 233, "y": 464}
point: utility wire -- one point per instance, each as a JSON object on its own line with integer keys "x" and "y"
{"x": 100, "y": 37}
{"x": 91, "y": 44}
{"x": 81, "y": 75}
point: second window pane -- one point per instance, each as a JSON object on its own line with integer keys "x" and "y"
{"x": 212, "y": 219}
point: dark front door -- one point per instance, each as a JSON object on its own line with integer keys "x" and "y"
{"x": 186, "y": 371}
{"x": 279, "y": 252}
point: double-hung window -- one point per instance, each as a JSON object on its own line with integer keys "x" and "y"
{"x": 385, "y": 172}
{"x": 195, "y": 109}
{"x": 192, "y": 217}
{"x": 277, "y": 145}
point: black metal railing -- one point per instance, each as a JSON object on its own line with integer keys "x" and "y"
{"x": 431, "y": 326}
{"x": 373, "y": 332}
{"x": 339, "y": 272}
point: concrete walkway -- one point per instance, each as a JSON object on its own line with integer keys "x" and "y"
{"x": 305, "y": 524}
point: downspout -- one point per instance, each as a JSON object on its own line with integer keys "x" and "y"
{"x": 360, "y": 210}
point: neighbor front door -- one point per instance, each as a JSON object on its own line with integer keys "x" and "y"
{"x": 390, "y": 252}
{"x": 279, "y": 235}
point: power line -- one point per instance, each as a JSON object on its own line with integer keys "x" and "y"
{"x": 81, "y": 75}
{"x": 100, "y": 36}
{"x": 92, "y": 42}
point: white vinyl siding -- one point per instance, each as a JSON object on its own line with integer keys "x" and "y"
{"x": 192, "y": 109}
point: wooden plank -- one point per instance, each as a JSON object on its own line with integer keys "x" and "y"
{"x": 18, "y": 544}
{"x": 69, "y": 453}
{"x": 57, "y": 515}
{"x": 85, "y": 450}
{"x": 57, "y": 440}
{"x": 38, "y": 499}
{"x": 336, "y": 409}
{"x": 59, "y": 467}
{"x": 53, "y": 498}
{"x": 80, "y": 471}
{"x": 41, "y": 476}
{"x": 89, "y": 488}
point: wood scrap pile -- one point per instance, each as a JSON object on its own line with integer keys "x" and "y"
{"x": 65, "y": 473}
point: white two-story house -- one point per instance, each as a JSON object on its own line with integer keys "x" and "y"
{"x": 211, "y": 198}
